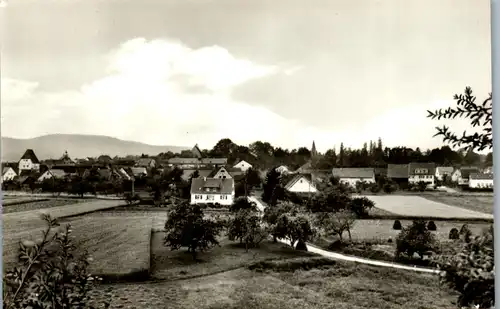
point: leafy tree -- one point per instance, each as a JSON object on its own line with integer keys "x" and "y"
{"x": 479, "y": 114}
{"x": 415, "y": 239}
{"x": 360, "y": 206}
{"x": 292, "y": 227}
{"x": 246, "y": 226}
{"x": 337, "y": 223}
{"x": 454, "y": 234}
{"x": 469, "y": 270}
{"x": 273, "y": 213}
{"x": 273, "y": 179}
{"x": 50, "y": 274}
{"x": 242, "y": 203}
{"x": 187, "y": 227}
{"x": 397, "y": 225}
{"x": 333, "y": 198}
{"x": 431, "y": 226}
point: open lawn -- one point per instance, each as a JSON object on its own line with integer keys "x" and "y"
{"x": 343, "y": 285}
{"x": 120, "y": 246}
{"x": 34, "y": 204}
{"x": 168, "y": 264}
{"x": 416, "y": 206}
{"x": 475, "y": 202}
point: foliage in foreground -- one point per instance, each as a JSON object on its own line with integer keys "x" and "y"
{"x": 470, "y": 271}
{"x": 187, "y": 227}
{"x": 246, "y": 224}
{"x": 415, "y": 238}
{"x": 51, "y": 274}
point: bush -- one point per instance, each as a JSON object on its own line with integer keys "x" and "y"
{"x": 131, "y": 199}
{"x": 454, "y": 234}
{"x": 466, "y": 233}
{"x": 415, "y": 239}
{"x": 51, "y": 274}
{"x": 431, "y": 226}
{"x": 397, "y": 225}
{"x": 360, "y": 206}
{"x": 292, "y": 264}
{"x": 389, "y": 188}
{"x": 375, "y": 188}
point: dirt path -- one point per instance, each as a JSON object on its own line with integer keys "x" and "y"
{"x": 343, "y": 257}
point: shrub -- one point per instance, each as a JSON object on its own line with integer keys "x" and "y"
{"x": 454, "y": 234}
{"x": 397, "y": 225}
{"x": 431, "y": 226}
{"x": 466, "y": 233}
{"x": 246, "y": 226}
{"x": 389, "y": 240}
{"x": 292, "y": 265}
{"x": 51, "y": 274}
{"x": 360, "y": 206}
{"x": 389, "y": 188}
{"x": 415, "y": 239}
{"x": 131, "y": 199}
{"x": 375, "y": 188}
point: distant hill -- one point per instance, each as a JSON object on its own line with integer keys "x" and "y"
{"x": 78, "y": 146}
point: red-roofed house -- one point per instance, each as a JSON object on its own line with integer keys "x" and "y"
{"x": 211, "y": 190}
{"x": 29, "y": 161}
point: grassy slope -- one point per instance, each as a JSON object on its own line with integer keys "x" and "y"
{"x": 344, "y": 285}
{"x": 481, "y": 203}
{"x": 35, "y": 205}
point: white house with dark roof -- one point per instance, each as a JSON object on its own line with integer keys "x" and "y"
{"x": 243, "y": 165}
{"x": 421, "y": 172}
{"x": 352, "y": 175}
{"x": 29, "y": 161}
{"x": 146, "y": 162}
{"x": 9, "y": 172}
{"x": 212, "y": 190}
{"x": 301, "y": 184}
{"x": 461, "y": 175}
{"x": 52, "y": 173}
{"x": 481, "y": 181}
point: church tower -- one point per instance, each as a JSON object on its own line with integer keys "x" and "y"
{"x": 314, "y": 153}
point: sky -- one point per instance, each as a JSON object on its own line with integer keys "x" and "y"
{"x": 180, "y": 72}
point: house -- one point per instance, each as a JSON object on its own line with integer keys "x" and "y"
{"x": 197, "y": 152}
{"x": 398, "y": 173}
{"x": 461, "y": 175}
{"x": 480, "y": 181}
{"x": 282, "y": 169}
{"x": 210, "y": 191}
{"x": 65, "y": 159}
{"x": 195, "y": 163}
{"x": 29, "y": 161}
{"x": 52, "y": 173}
{"x": 443, "y": 172}
{"x": 124, "y": 175}
{"x": 243, "y": 165}
{"x": 421, "y": 172}
{"x": 352, "y": 175}
{"x": 146, "y": 162}
{"x": 9, "y": 172}
{"x": 301, "y": 183}
{"x": 139, "y": 171}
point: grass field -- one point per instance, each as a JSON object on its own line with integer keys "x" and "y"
{"x": 344, "y": 285}
{"x": 475, "y": 202}
{"x": 38, "y": 204}
{"x": 408, "y": 205}
{"x": 168, "y": 264}
{"x": 120, "y": 246}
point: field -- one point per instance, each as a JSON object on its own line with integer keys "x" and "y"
{"x": 475, "y": 202}
{"x": 409, "y": 205}
{"x": 120, "y": 246}
{"x": 34, "y": 204}
{"x": 344, "y": 285}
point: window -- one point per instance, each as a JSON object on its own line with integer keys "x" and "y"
{"x": 223, "y": 197}
{"x": 301, "y": 181}
{"x": 210, "y": 197}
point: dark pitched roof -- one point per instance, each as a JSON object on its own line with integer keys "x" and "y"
{"x": 397, "y": 171}
{"x": 219, "y": 161}
{"x": 13, "y": 165}
{"x": 466, "y": 171}
{"x": 30, "y": 154}
{"x": 196, "y": 151}
{"x": 354, "y": 172}
{"x": 144, "y": 161}
{"x": 429, "y": 166}
{"x": 58, "y": 173}
{"x": 445, "y": 169}
{"x": 481, "y": 176}
{"x": 215, "y": 185}
{"x": 183, "y": 161}
{"x": 296, "y": 178}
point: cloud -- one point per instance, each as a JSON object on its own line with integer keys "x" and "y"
{"x": 150, "y": 92}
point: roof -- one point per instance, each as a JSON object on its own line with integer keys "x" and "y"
{"x": 296, "y": 178}
{"x": 104, "y": 173}
{"x": 397, "y": 171}
{"x": 242, "y": 161}
{"x": 214, "y": 160}
{"x": 183, "y": 161}
{"x": 445, "y": 169}
{"x": 144, "y": 161}
{"x": 221, "y": 186}
{"x": 196, "y": 151}
{"x": 481, "y": 176}
{"x": 30, "y": 154}
{"x": 138, "y": 170}
{"x": 57, "y": 173}
{"x": 431, "y": 167}
{"x": 354, "y": 172}
{"x": 305, "y": 167}
{"x": 12, "y": 165}
{"x": 466, "y": 171}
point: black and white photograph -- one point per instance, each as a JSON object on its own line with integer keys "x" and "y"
{"x": 233, "y": 154}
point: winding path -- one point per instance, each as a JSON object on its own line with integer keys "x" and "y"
{"x": 343, "y": 257}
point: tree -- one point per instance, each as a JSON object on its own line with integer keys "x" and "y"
{"x": 243, "y": 203}
{"x": 246, "y": 226}
{"x": 415, "y": 238}
{"x": 50, "y": 274}
{"x": 479, "y": 114}
{"x": 337, "y": 223}
{"x": 454, "y": 234}
{"x": 273, "y": 213}
{"x": 293, "y": 227}
{"x": 187, "y": 227}
{"x": 360, "y": 206}
{"x": 469, "y": 270}
{"x": 333, "y": 198}
{"x": 273, "y": 179}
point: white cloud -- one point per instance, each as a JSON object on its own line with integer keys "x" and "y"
{"x": 146, "y": 96}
